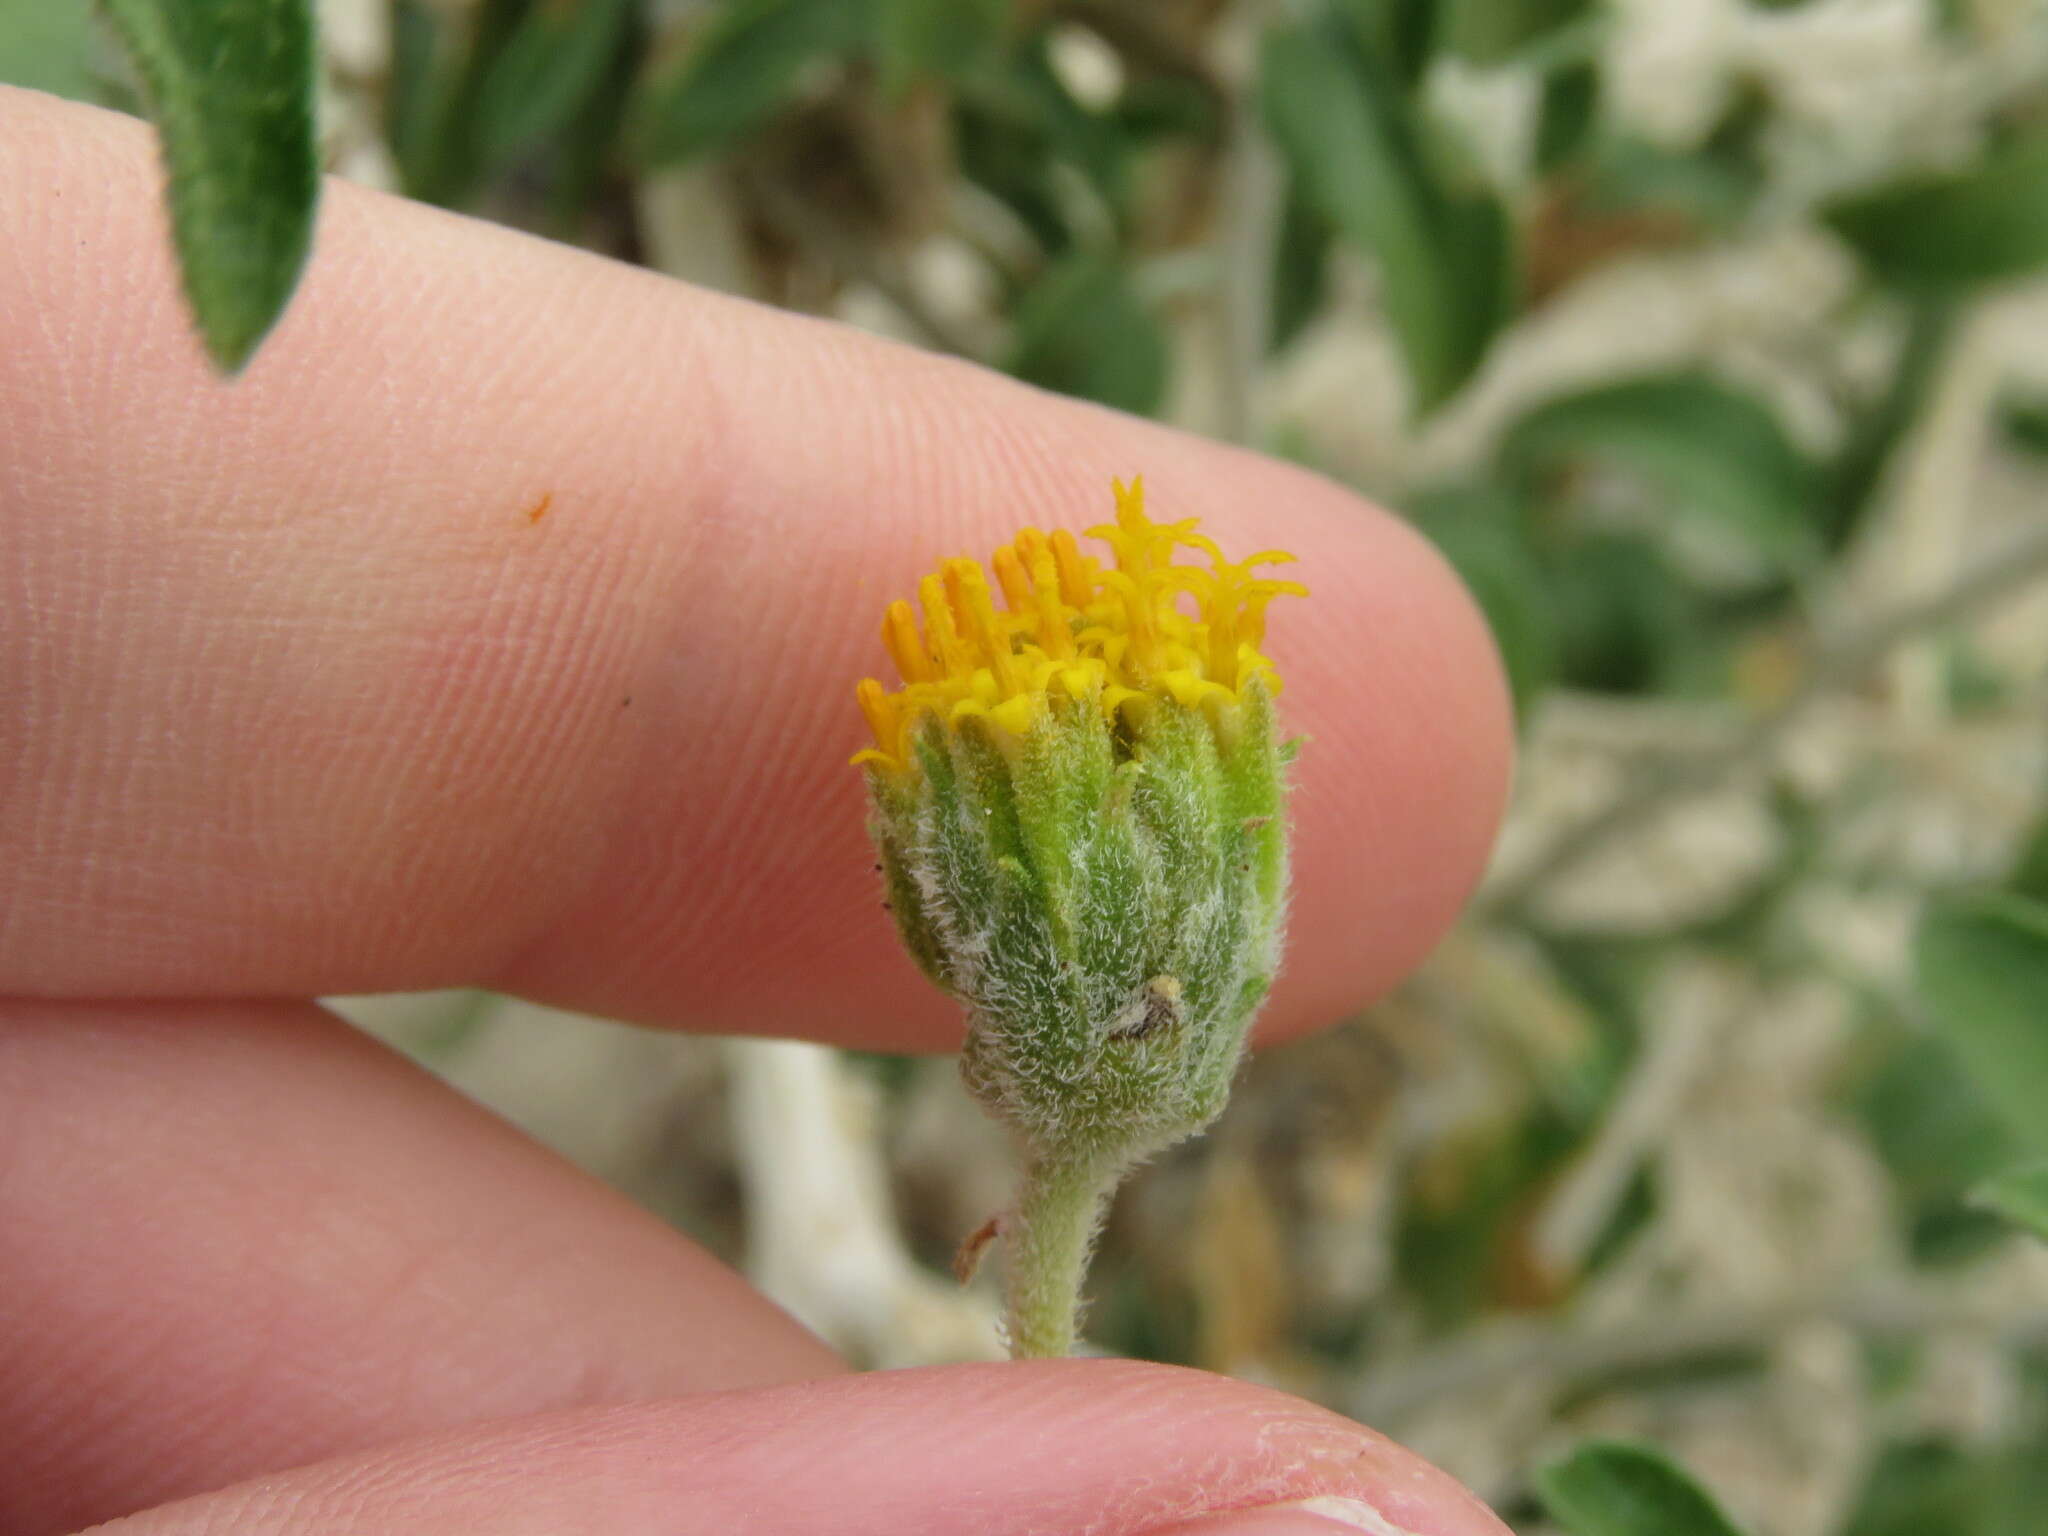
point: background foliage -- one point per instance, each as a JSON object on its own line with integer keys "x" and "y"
{"x": 1705, "y": 339}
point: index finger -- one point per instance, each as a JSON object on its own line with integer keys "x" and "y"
{"x": 499, "y": 627}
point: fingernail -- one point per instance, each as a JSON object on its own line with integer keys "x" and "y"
{"x": 1329, "y": 1515}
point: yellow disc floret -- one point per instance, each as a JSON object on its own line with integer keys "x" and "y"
{"x": 1146, "y": 628}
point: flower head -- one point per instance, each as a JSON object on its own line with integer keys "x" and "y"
{"x": 1144, "y": 628}
{"x": 1079, "y": 803}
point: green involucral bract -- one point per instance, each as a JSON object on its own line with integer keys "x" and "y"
{"x": 1107, "y": 901}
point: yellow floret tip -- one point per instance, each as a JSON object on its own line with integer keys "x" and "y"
{"x": 1145, "y": 628}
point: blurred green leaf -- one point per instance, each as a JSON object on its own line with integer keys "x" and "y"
{"x": 440, "y": 61}
{"x": 1935, "y": 1488}
{"x": 230, "y": 86}
{"x": 741, "y": 71}
{"x": 1718, "y": 453}
{"x": 1082, "y": 330}
{"x": 1981, "y": 225}
{"x": 1398, "y": 35}
{"x": 1938, "y": 1137}
{"x": 557, "y": 56}
{"x": 1494, "y": 31}
{"x": 1444, "y": 256}
{"x": 1712, "y": 186}
{"x": 415, "y": 95}
{"x": 1168, "y": 106}
{"x": 1981, "y": 961}
{"x": 1929, "y": 1123}
{"x": 2024, "y": 418}
{"x": 1022, "y": 136}
{"x": 2020, "y": 1195}
{"x": 2029, "y": 875}
{"x": 1480, "y": 532}
{"x": 584, "y": 154}
{"x": 1625, "y": 622}
{"x": 48, "y": 47}
{"x": 1700, "y": 189}
{"x": 1301, "y": 271}
{"x": 943, "y": 38}
{"x": 1877, "y": 432}
{"x": 1567, "y": 115}
{"x": 1614, "y": 1488}
{"x": 1921, "y": 1487}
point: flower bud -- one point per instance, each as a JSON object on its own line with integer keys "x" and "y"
{"x": 1079, "y": 804}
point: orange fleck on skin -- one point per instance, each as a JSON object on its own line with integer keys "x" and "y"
{"x": 540, "y": 508}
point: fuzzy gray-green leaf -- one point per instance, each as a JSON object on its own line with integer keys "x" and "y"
{"x": 230, "y": 85}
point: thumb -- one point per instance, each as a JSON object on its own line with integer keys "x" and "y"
{"x": 1109, "y": 1447}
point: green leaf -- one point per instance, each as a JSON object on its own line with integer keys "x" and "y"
{"x": 1301, "y": 269}
{"x": 1929, "y": 1123}
{"x": 2020, "y": 1195}
{"x": 744, "y": 68}
{"x": 2024, "y": 417}
{"x": 1444, "y": 255}
{"x": 1938, "y": 1137}
{"x": 556, "y": 57}
{"x": 1614, "y": 1488}
{"x": 1479, "y": 530}
{"x": 1567, "y": 115}
{"x": 1062, "y": 167}
{"x": 1935, "y": 1487}
{"x": 1082, "y": 330}
{"x": 1982, "y": 225}
{"x": 1713, "y": 186}
{"x": 1981, "y": 961}
{"x": 1626, "y": 624}
{"x": 1398, "y": 35}
{"x": 2029, "y": 874}
{"x": 1495, "y": 31}
{"x": 230, "y": 85}
{"x": 947, "y": 39}
{"x": 1879, "y": 430}
{"x": 1719, "y": 454}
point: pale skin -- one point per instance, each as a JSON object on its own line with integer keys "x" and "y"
{"x": 499, "y": 628}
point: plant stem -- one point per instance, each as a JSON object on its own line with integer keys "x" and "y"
{"x": 1047, "y": 1242}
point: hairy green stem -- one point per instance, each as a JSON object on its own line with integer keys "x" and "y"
{"x": 1046, "y": 1244}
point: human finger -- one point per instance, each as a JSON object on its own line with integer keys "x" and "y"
{"x": 241, "y": 1236}
{"x": 1109, "y": 1447}
{"x": 499, "y": 626}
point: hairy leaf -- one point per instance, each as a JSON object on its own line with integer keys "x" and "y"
{"x": 230, "y": 85}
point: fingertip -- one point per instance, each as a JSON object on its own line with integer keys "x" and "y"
{"x": 1114, "y": 1447}
{"x": 540, "y": 673}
